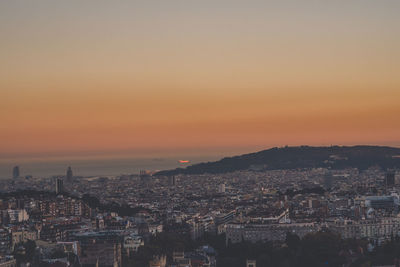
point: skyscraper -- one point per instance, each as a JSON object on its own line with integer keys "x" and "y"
{"x": 389, "y": 179}
{"x": 59, "y": 186}
{"x": 328, "y": 180}
{"x": 144, "y": 177}
{"x": 69, "y": 173}
{"x": 16, "y": 172}
{"x": 172, "y": 180}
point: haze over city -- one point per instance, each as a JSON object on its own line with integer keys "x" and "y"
{"x": 199, "y": 133}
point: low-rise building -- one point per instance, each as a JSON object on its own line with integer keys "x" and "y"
{"x": 374, "y": 229}
{"x": 236, "y": 233}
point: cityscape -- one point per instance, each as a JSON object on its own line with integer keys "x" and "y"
{"x": 188, "y": 133}
{"x": 149, "y": 219}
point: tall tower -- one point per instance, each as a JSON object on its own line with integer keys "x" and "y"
{"x": 59, "y": 186}
{"x": 328, "y": 180}
{"x": 172, "y": 180}
{"x": 16, "y": 172}
{"x": 390, "y": 180}
{"x": 69, "y": 174}
{"x": 221, "y": 188}
{"x": 143, "y": 176}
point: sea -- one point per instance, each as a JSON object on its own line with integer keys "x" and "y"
{"x": 87, "y": 167}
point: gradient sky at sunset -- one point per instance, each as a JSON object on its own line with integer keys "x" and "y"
{"x": 97, "y": 76}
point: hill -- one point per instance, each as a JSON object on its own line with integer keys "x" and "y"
{"x": 334, "y": 157}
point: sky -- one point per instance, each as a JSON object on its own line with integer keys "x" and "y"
{"x": 166, "y": 77}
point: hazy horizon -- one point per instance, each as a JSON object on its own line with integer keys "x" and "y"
{"x": 114, "y": 164}
{"x": 154, "y": 154}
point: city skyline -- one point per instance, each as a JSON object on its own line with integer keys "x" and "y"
{"x": 187, "y": 133}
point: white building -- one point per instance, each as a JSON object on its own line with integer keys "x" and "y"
{"x": 17, "y": 216}
{"x": 132, "y": 243}
{"x": 236, "y": 233}
{"x": 221, "y": 188}
{"x": 374, "y": 229}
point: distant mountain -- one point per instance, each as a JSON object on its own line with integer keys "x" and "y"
{"x": 334, "y": 157}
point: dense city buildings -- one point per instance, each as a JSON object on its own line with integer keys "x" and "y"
{"x": 109, "y": 221}
{"x": 199, "y": 133}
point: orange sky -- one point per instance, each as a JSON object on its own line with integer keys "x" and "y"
{"x": 196, "y": 76}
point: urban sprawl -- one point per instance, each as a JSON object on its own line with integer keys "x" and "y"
{"x": 108, "y": 221}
